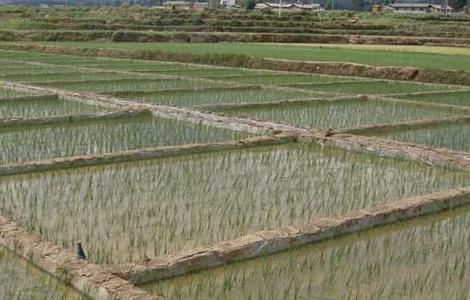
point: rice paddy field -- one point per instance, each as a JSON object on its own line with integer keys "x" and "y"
{"x": 38, "y": 142}
{"x": 8, "y": 94}
{"x": 342, "y": 114}
{"x": 47, "y": 106}
{"x": 452, "y": 136}
{"x": 21, "y": 280}
{"x": 135, "y": 213}
{"x": 374, "y": 87}
{"x": 424, "y": 259}
{"x": 455, "y": 98}
{"x": 151, "y": 208}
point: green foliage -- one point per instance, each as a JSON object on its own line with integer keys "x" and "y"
{"x": 250, "y": 4}
{"x": 458, "y": 4}
{"x": 358, "y": 5}
{"x": 466, "y": 9}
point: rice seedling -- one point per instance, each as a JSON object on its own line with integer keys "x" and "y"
{"x": 94, "y": 62}
{"x": 77, "y": 75}
{"x": 344, "y": 114}
{"x": 11, "y": 68}
{"x": 453, "y": 136}
{"x": 371, "y": 87}
{"x": 44, "y": 108}
{"x": 456, "y": 98}
{"x": 131, "y": 85}
{"x": 130, "y": 211}
{"x": 280, "y": 78}
{"x": 9, "y": 93}
{"x": 421, "y": 259}
{"x": 27, "y": 143}
{"x": 213, "y": 72}
{"x": 224, "y": 95}
{"x": 20, "y": 280}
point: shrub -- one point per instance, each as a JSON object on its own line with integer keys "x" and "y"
{"x": 250, "y": 4}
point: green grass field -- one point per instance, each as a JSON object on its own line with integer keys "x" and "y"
{"x": 306, "y": 53}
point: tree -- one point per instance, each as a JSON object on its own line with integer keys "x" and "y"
{"x": 358, "y": 5}
{"x": 466, "y": 9}
{"x": 250, "y": 4}
{"x": 457, "y": 4}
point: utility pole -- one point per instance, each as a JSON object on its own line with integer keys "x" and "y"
{"x": 280, "y": 3}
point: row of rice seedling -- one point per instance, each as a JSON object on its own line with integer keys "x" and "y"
{"x": 9, "y": 93}
{"x": 21, "y": 280}
{"x": 342, "y": 114}
{"x": 456, "y": 98}
{"x": 224, "y": 95}
{"x": 280, "y": 78}
{"x": 18, "y": 65}
{"x": 420, "y": 259}
{"x": 148, "y": 84}
{"x": 15, "y": 75}
{"x": 138, "y": 66}
{"x": 130, "y": 211}
{"x": 99, "y": 62}
{"x": 156, "y": 68}
{"x": 213, "y": 72}
{"x": 28, "y": 143}
{"x": 99, "y": 81}
{"x": 78, "y": 76}
{"x": 371, "y": 87}
{"x": 69, "y": 60}
{"x": 455, "y": 136}
{"x": 44, "y": 108}
{"x": 16, "y": 70}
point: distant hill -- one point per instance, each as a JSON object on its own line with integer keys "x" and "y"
{"x": 77, "y": 2}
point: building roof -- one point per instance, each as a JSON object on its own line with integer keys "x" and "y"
{"x": 176, "y": 2}
{"x": 419, "y": 5}
{"x": 286, "y": 5}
